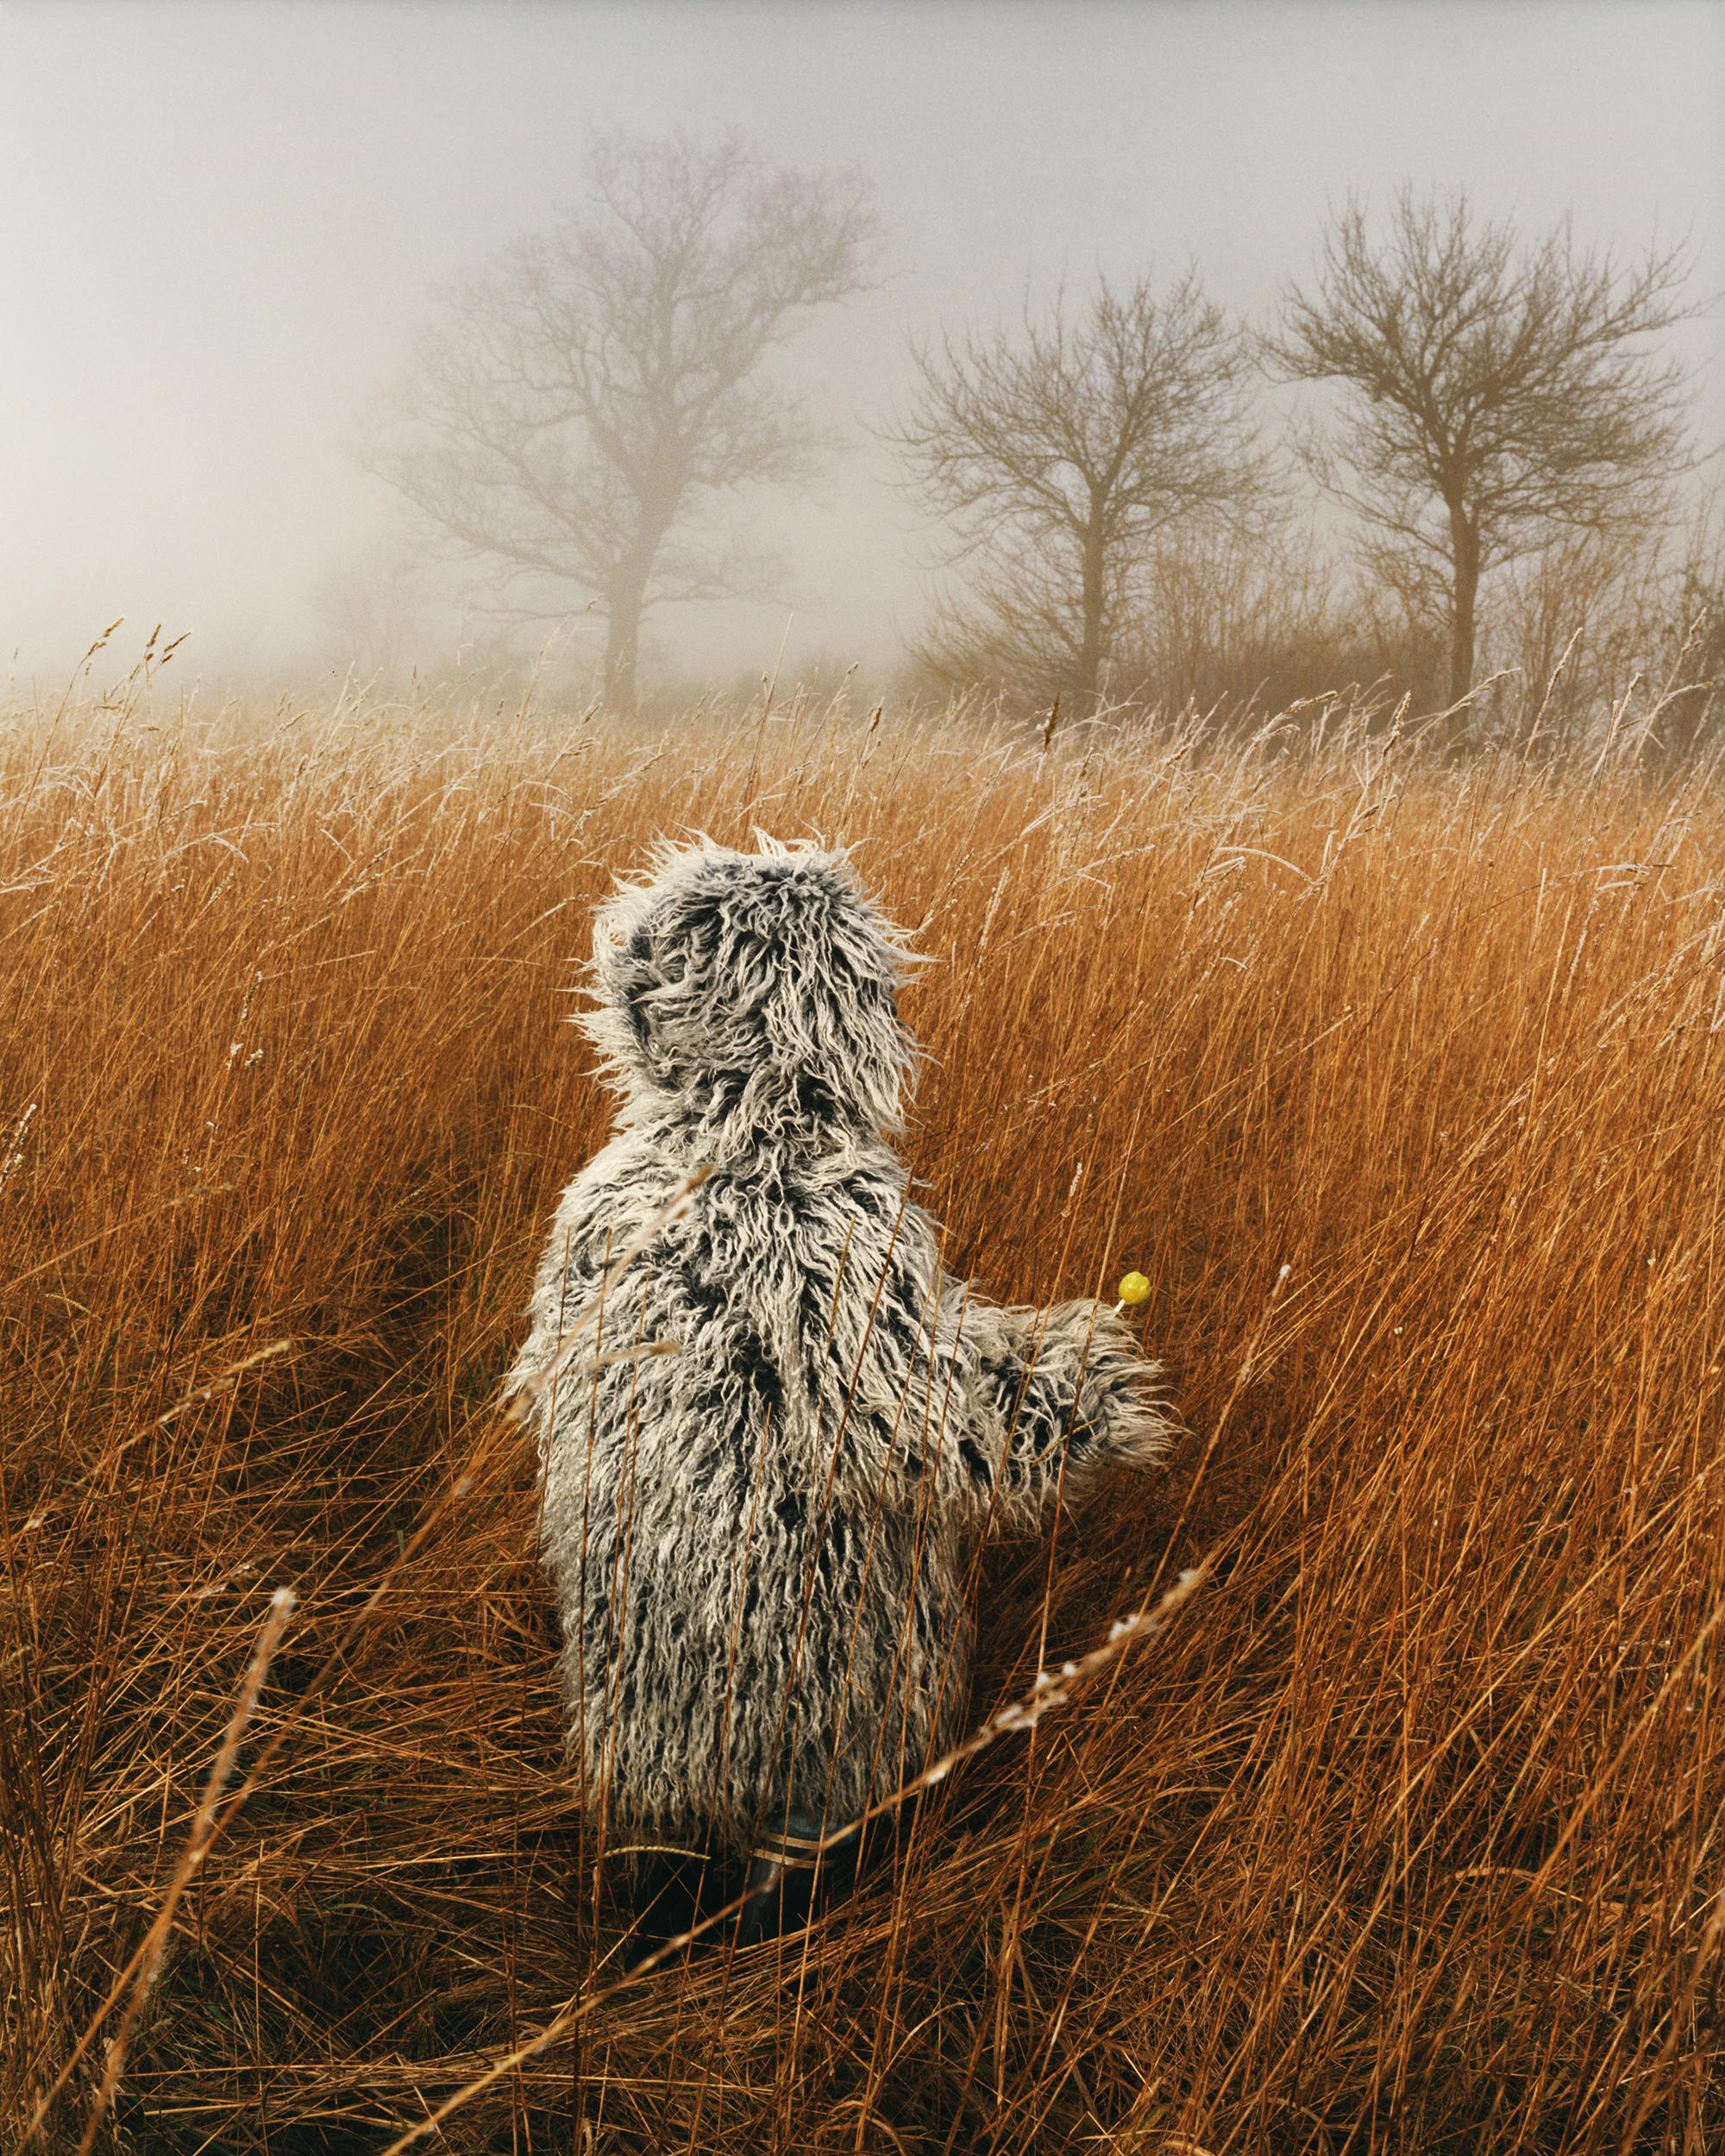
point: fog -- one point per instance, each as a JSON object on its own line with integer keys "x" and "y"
{"x": 220, "y": 226}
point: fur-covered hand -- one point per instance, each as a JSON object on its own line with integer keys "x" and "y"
{"x": 1062, "y": 1395}
{"x": 1120, "y": 1405}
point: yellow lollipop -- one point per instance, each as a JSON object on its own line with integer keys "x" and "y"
{"x": 1133, "y": 1290}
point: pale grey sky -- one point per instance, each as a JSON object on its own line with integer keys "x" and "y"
{"x": 219, "y": 223}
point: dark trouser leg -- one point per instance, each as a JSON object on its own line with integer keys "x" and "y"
{"x": 669, "y": 1894}
{"x": 789, "y": 1872}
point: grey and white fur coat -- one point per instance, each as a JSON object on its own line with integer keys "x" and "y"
{"x": 761, "y": 1542}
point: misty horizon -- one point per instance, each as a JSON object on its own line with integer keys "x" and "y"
{"x": 225, "y": 231}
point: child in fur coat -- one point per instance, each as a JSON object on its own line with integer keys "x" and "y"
{"x": 760, "y": 1543}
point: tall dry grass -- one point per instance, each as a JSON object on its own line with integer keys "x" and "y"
{"x": 1404, "y": 1835}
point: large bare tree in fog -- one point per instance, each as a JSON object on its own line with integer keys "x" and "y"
{"x": 1064, "y": 450}
{"x": 1500, "y": 395}
{"x": 585, "y": 401}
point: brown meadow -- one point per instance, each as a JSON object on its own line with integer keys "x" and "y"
{"x": 1402, "y": 1834}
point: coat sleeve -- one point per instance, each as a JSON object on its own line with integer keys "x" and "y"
{"x": 606, "y": 1205}
{"x": 1053, "y": 1398}
{"x": 1009, "y": 1411}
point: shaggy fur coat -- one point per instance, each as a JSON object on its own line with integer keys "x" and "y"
{"x": 760, "y": 1543}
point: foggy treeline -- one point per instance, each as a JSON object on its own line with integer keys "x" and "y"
{"x": 1476, "y": 493}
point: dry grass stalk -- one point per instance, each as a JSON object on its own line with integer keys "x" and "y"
{"x": 1018, "y": 1717}
{"x": 149, "y": 1957}
{"x": 1410, "y": 1842}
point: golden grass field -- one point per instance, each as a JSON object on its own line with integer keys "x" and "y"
{"x": 1405, "y": 1834}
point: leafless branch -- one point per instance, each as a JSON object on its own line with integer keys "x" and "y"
{"x": 1063, "y": 449}
{"x": 586, "y": 399}
{"x": 1497, "y": 394}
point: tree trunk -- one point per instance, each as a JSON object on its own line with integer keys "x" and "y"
{"x": 1090, "y": 645}
{"x": 622, "y": 645}
{"x": 1465, "y": 553}
{"x": 626, "y": 601}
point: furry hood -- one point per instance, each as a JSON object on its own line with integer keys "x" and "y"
{"x": 756, "y": 992}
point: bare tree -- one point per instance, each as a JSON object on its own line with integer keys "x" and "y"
{"x": 588, "y": 399}
{"x": 1499, "y": 395}
{"x": 1062, "y": 451}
